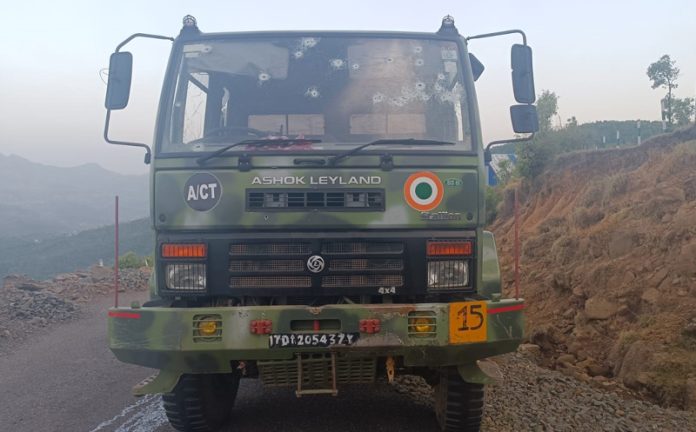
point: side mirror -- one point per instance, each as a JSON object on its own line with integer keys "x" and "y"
{"x": 477, "y": 67}
{"x": 522, "y": 74}
{"x": 119, "y": 84}
{"x": 525, "y": 118}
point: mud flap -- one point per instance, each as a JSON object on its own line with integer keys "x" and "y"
{"x": 481, "y": 372}
{"x": 162, "y": 382}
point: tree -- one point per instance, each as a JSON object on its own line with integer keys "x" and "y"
{"x": 683, "y": 110}
{"x": 547, "y": 107}
{"x": 664, "y": 73}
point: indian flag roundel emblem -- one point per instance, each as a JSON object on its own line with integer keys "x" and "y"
{"x": 423, "y": 191}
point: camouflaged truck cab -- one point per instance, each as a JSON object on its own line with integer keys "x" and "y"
{"x": 318, "y": 203}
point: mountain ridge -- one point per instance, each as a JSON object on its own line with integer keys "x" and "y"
{"x": 40, "y": 201}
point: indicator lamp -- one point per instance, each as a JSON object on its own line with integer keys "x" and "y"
{"x": 207, "y": 328}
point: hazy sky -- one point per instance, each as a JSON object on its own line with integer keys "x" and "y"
{"x": 593, "y": 54}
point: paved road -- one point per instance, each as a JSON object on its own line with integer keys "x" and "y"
{"x": 67, "y": 380}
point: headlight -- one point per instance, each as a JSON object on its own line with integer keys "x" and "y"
{"x": 185, "y": 276}
{"x": 448, "y": 274}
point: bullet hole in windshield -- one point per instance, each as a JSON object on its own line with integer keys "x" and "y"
{"x": 420, "y": 62}
{"x": 309, "y": 42}
{"x": 312, "y": 92}
{"x": 337, "y": 64}
{"x": 377, "y": 98}
{"x": 298, "y": 54}
{"x": 355, "y": 66}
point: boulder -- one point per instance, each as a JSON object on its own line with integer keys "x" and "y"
{"x": 632, "y": 369}
{"x": 651, "y": 295}
{"x": 597, "y": 308}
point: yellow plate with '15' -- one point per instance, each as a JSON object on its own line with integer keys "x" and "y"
{"x": 468, "y": 322}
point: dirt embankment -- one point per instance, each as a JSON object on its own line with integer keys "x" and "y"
{"x": 608, "y": 265}
{"x": 27, "y": 305}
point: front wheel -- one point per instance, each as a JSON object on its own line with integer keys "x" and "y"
{"x": 458, "y": 404}
{"x": 201, "y": 403}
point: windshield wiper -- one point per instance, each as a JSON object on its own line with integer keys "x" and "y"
{"x": 256, "y": 143}
{"x": 407, "y": 141}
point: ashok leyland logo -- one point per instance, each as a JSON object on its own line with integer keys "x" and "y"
{"x": 423, "y": 191}
{"x": 315, "y": 264}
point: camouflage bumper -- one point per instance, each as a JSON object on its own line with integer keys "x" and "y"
{"x": 165, "y": 338}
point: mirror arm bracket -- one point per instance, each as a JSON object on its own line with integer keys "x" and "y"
{"x": 148, "y": 152}
{"x": 107, "y": 121}
{"x": 144, "y": 35}
{"x": 487, "y": 150}
{"x": 500, "y": 33}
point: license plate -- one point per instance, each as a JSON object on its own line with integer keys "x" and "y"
{"x": 468, "y": 322}
{"x": 320, "y": 340}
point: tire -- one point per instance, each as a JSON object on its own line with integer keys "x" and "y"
{"x": 201, "y": 403}
{"x": 458, "y": 404}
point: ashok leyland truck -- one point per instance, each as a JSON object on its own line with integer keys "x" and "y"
{"x": 318, "y": 204}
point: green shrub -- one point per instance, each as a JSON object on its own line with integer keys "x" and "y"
{"x": 493, "y": 198}
{"x": 130, "y": 260}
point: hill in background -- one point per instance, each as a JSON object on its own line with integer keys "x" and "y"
{"x": 39, "y": 201}
{"x": 41, "y": 259}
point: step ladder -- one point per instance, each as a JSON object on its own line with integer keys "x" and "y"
{"x": 333, "y": 390}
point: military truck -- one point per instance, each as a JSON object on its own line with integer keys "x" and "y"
{"x": 318, "y": 203}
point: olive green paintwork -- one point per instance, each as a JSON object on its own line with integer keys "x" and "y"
{"x": 163, "y": 338}
{"x": 460, "y": 198}
{"x": 490, "y": 269}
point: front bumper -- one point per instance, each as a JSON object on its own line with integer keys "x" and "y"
{"x": 164, "y": 338}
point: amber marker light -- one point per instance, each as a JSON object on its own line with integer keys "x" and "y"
{"x": 207, "y": 328}
{"x": 423, "y": 325}
{"x": 184, "y": 250}
{"x": 449, "y": 248}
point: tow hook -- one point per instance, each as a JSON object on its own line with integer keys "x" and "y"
{"x": 390, "y": 369}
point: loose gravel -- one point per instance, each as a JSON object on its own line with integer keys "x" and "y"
{"x": 532, "y": 398}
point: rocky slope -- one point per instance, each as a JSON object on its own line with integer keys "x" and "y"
{"x": 608, "y": 265}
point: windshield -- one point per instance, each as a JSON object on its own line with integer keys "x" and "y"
{"x": 343, "y": 91}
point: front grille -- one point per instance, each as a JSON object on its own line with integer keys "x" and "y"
{"x": 358, "y": 264}
{"x": 348, "y": 200}
{"x": 316, "y": 371}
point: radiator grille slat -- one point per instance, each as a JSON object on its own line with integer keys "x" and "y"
{"x": 361, "y": 247}
{"x": 287, "y": 248}
{"x": 267, "y": 266}
{"x": 362, "y": 281}
{"x": 271, "y": 282}
{"x": 366, "y": 264}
